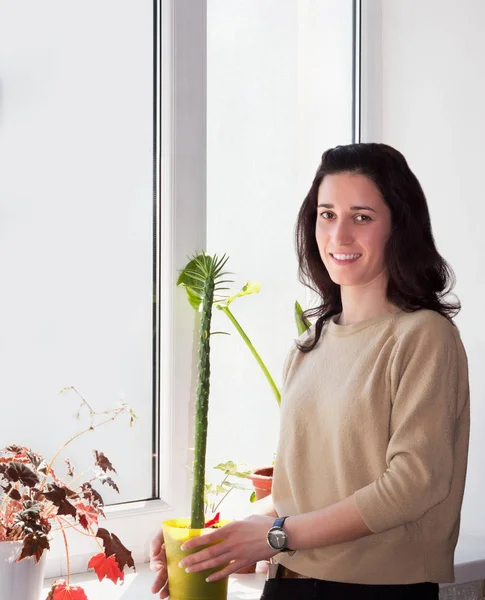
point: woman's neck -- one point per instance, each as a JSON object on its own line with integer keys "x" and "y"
{"x": 361, "y": 303}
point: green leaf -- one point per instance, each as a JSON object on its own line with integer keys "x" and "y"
{"x": 226, "y": 467}
{"x": 195, "y": 299}
{"x": 251, "y": 287}
{"x": 195, "y": 273}
{"x": 302, "y": 323}
{"x": 236, "y": 486}
{"x": 252, "y": 497}
{"x": 231, "y": 468}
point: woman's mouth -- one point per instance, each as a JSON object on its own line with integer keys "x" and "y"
{"x": 345, "y": 259}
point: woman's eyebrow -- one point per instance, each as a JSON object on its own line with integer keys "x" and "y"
{"x": 351, "y": 208}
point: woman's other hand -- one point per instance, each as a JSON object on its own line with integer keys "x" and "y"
{"x": 158, "y": 563}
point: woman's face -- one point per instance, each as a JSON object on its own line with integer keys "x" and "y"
{"x": 352, "y": 228}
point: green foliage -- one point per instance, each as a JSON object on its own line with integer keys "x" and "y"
{"x": 212, "y": 491}
{"x": 302, "y": 323}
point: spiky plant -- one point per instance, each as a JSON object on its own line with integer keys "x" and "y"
{"x": 203, "y": 277}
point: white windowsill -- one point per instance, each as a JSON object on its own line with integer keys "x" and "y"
{"x": 137, "y": 585}
{"x": 469, "y": 567}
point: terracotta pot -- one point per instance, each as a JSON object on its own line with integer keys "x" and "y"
{"x": 262, "y": 479}
{"x": 246, "y": 570}
{"x": 20, "y": 580}
{"x": 182, "y": 585}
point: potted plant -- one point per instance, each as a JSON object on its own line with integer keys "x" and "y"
{"x": 202, "y": 278}
{"x": 35, "y": 500}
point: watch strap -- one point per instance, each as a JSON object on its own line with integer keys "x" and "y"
{"x": 279, "y": 522}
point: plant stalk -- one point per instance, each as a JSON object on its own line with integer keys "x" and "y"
{"x": 202, "y": 406}
{"x": 67, "y": 552}
{"x": 258, "y": 358}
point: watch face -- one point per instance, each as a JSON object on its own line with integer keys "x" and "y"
{"x": 277, "y": 538}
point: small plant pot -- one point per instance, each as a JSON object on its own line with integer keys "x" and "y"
{"x": 262, "y": 479}
{"x": 19, "y": 580}
{"x": 182, "y": 585}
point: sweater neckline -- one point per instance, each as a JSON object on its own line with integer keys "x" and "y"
{"x": 342, "y": 330}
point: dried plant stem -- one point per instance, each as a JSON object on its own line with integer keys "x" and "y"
{"x": 97, "y": 540}
{"x": 67, "y": 551}
{"x": 72, "y": 526}
{"x": 78, "y": 477}
{"x": 90, "y": 428}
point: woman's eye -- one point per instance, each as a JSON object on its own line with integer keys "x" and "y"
{"x": 362, "y": 218}
{"x": 326, "y": 214}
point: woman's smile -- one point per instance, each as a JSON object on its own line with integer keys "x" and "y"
{"x": 345, "y": 259}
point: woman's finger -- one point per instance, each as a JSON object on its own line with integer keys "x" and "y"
{"x": 160, "y": 580}
{"x": 205, "y": 538}
{"x": 156, "y": 544}
{"x": 204, "y": 555}
{"x": 165, "y": 592}
{"x": 226, "y": 571}
{"x": 211, "y": 563}
{"x": 159, "y": 560}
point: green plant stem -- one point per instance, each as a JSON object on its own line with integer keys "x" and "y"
{"x": 258, "y": 358}
{"x": 214, "y": 510}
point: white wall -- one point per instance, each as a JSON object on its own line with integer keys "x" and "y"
{"x": 279, "y": 94}
{"x": 430, "y": 82}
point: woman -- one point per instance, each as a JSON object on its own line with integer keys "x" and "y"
{"x": 371, "y": 462}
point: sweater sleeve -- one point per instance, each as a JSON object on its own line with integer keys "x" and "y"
{"x": 429, "y": 379}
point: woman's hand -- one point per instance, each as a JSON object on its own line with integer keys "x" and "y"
{"x": 240, "y": 543}
{"x": 158, "y": 563}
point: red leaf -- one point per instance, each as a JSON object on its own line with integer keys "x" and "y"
{"x": 106, "y": 567}
{"x": 87, "y": 514}
{"x": 58, "y": 495}
{"x": 213, "y": 521}
{"x": 105, "y": 479}
{"x": 60, "y": 590}
{"x": 103, "y": 462}
{"x": 113, "y": 546}
{"x": 83, "y": 520}
{"x": 70, "y": 469}
{"x": 34, "y": 544}
{"x": 17, "y": 471}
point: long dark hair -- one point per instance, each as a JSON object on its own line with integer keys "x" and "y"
{"x": 419, "y": 277}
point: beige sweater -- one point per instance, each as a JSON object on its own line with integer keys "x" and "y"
{"x": 379, "y": 410}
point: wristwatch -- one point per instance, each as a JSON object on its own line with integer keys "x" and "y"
{"x": 277, "y": 536}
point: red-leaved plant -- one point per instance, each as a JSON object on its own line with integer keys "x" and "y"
{"x": 33, "y": 499}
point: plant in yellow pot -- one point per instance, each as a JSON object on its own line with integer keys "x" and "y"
{"x": 203, "y": 278}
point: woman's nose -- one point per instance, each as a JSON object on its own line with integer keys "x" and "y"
{"x": 342, "y": 234}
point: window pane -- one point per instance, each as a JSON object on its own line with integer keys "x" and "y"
{"x": 279, "y": 94}
{"x": 76, "y": 233}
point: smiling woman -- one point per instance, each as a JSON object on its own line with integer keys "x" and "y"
{"x": 370, "y": 467}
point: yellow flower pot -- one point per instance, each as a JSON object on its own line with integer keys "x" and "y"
{"x": 188, "y": 586}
